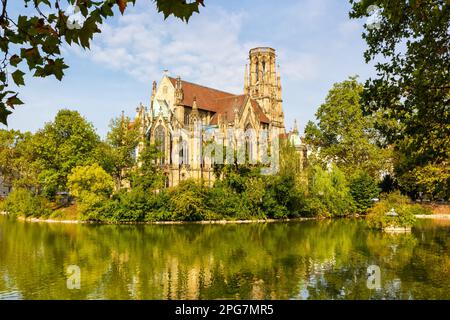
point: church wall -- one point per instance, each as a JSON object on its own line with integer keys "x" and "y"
{"x": 168, "y": 95}
{"x": 264, "y": 88}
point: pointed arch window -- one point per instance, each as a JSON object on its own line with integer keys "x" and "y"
{"x": 160, "y": 140}
{"x": 250, "y": 144}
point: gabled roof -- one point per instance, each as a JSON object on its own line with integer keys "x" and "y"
{"x": 226, "y": 107}
{"x": 206, "y": 97}
{"x": 262, "y": 117}
{"x": 217, "y": 101}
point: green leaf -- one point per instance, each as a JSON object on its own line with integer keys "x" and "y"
{"x": 15, "y": 60}
{"x": 178, "y": 8}
{"x": 4, "y": 113}
{"x": 18, "y": 77}
{"x": 13, "y": 100}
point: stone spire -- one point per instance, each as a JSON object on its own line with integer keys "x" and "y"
{"x": 194, "y": 116}
{"x": 153, "y": 88}
{"x": 194, "y": 106}
{"x": 153, "y": 96}
{"x": 295, "y": 129}
{"x": 236, "y": 112}
{"x": 178, "y": 91}
{"x": 178, "y": 101}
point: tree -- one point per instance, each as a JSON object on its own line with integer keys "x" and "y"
{"x": 23, "y": 202}
{"x": 411, "y": 43}
{"x": 122, "y": 141}
{"x": 343, "y": 135}
{"x": 431, "y": 179}
{"x": 187, "y": 201}
{"x": 90, "y": 178}
{"x": 147, "y": 173}
{"x": 17, "y": 165}
{"x": 8, "y": 142}
{"x": 363, "y": 189}
{"x": 92, "y": 187}
{"x": 329, "y": 193}
{"x": 67, "y": 142}
{"x": 37, "y": 39}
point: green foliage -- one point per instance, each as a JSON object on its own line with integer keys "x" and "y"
{"x": 92, "y": 206}
{"x": 329, "y": 194}
{"x": 67, "y": 142}
{"x": 377, "y": 218}
{"x": 119, "y": 151}
{"x": 148, "y": 174}
{"x": 417, "y": 209}
{"x": 388, "y": 184}
{"x": 91, "y": 178}
{"x": 22, "y": 202}
{"x": 180, "y": 9}
{"x": 410, "y": 94}
{"x": 35, "y": 41}
{"x": 363, "y": 189}
{"x": 225, "y": 202}
{"x": 187, "y": 201}
{"x": 343, "y": 134}
{"x": 92, "y": 187}
{"x": 431, "y": 179}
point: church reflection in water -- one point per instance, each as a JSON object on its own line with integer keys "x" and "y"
{"x": 296, "y": 260}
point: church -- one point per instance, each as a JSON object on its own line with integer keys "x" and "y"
{"x": 179, "y": 110}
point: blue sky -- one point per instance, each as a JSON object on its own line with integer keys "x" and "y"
{"x": 317, "y": 45}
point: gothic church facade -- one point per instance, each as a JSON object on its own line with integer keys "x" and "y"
{"x": 181, "y": 105}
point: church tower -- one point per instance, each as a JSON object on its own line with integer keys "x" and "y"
{"x": 262, "y": 83}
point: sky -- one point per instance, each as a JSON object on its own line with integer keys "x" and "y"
{"x": 316, "y": 44}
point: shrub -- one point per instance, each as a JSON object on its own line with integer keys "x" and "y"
{"x": 283, "y": 197}
{"x": 91, "y": 178}
{"x": 378, "y": 219}
{"x": 23, "y": 202}
{"x": 93, "y": 207}
{"x": 224, "y": 202}
{"x": 329, "y": 194}
{"x": 187, "y": 201}
{"x": 417, "y": 209}
{"x": 92, "y": 187}
{"x": 363, "y": 189}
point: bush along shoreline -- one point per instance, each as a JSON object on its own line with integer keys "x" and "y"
{"x": 241, "y": 195}
{"x": 65, "y": 172}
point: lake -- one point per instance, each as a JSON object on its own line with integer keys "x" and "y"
{"x": 284, "y": 260}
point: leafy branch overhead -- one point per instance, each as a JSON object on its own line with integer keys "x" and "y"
{"x": 35, "y": 41}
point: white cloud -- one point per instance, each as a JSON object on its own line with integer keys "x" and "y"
{"x": 208, "y": 50}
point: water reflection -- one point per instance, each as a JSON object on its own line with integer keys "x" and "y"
{"x": 301, "y": 260}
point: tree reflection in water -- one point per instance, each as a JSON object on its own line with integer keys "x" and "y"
{"x": 296, "y": 260}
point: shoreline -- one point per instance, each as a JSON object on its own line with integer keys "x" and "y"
{"x": 31, "y": 219}
{"x": 444, "y": 216}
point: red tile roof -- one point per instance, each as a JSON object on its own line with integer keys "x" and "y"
{"x": 205, "y": 96}
{"x": 226, "y": 107}
{"x": 217, "y": 101}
